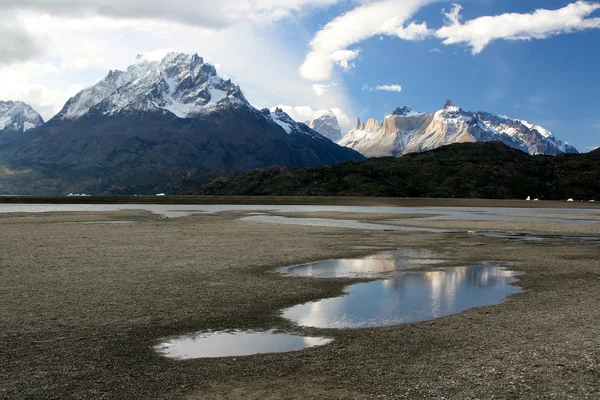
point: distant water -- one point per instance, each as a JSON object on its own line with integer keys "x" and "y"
{"x": 431, "y": 213}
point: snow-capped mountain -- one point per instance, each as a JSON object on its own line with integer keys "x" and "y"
{"x": 17, "y": 116}
{"x": 327, "y": 125}
{"x": 290, "y": 126}
{"x": 179, "y": 83}
{"x": 405, "y": 131}
{"x": 159, "y": 124}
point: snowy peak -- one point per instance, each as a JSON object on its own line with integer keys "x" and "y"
{"x": 404, "y": 111}
{"x": 16, "y": 116}
{"x": 327, "y": 125}
{"x": 451, "y": 111}
{"x": 182, "y": 84}
{"x": 288, "y": 124}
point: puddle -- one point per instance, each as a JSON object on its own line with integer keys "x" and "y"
{"x": 409, "y": 297}
{"x": 236, "y": 343}
{"x": 368, "y": 267}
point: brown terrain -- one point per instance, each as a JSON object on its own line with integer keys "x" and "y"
{"x": 84, "y": 303}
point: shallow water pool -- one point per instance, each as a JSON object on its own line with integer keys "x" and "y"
{"x": 409, "y": 297}
{"x": 236, "y": 343}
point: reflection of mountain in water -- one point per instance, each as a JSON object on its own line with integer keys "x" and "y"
{"x": 408, "y": 297}
{"x": 372, "y": 266}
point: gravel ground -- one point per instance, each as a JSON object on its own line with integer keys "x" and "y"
{"x": 83, "y": 304}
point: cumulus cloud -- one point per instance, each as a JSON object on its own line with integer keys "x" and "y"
{"x": 384, "y": 88}
{"x": 307, "y": 114}
{"x": 332, "y": 44}
{"x": 206, "y": 13}
{"x": 344, "y": 58}
{"x": 480, "y": 32}
{"x": 28, "y": 82}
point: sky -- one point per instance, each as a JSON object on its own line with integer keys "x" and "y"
{"x": 535, "y": 60}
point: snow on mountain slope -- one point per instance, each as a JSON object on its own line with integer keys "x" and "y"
{"x": 405, "y": 131}
{"x": 290, "y": 126}
{"x": 327, "y": 125}
{"x": 16, "y": 116}
{"x": 179, "y": 83}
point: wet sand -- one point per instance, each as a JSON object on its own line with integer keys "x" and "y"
{"x": 83, "y": 304}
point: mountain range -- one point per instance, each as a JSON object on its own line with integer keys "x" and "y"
{"x": 405, "y": 131}
{"x": 174, "y": 123}
{"x": 158, "y": 125}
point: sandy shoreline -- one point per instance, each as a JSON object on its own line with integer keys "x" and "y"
{"x": 83, "y": 304}
{"x": 296, "y": 200}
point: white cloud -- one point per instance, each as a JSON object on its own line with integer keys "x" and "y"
{"x": 384, "y": 88}
{"x": 385, "y": 17}
{"x": 204, "y": 13}
{"x": 307, "y": 114}
{"x": 320, "y": 89}
{"x": 344, "y": 58}
{"x": 480, "y": 32}
{"x": 414, "y": 32}
{"x": 596, "y": 126}
{"x": 45, "y": 100}
{"x": 436, "y": 50}
{"x": 16, "y": 43}
{"x": 24, "y": 81}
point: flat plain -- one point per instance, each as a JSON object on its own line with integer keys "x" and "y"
{"x": 85, "y": 300}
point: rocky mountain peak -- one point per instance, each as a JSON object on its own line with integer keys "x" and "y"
{"x": 183, "y": 84}
{"x": 372, "y": 125}
{"x": 360, "y": 126}
{"x": 327, "y": 125}
{"x": 448, "y": 104}
{"x": 402, "y": 111}
{"x": 450, "y": 110}
{"x": 16, "y": 116}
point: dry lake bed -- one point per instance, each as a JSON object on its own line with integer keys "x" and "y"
{"x": 455, "y": 300}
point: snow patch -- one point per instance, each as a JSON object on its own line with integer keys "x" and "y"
{"x": 286, "y": 126}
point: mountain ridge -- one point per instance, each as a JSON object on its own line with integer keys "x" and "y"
{"x": 405, "y": 131}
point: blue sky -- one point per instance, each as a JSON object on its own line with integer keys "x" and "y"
{"x": 313, "y": 55}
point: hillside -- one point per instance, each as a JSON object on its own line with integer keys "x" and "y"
{"x": 469, "y": 170}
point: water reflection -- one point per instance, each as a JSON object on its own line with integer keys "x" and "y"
{"x": 408, "y": 297}
{"x": 237, "y": 343}
{"x": 368, "y": 267}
